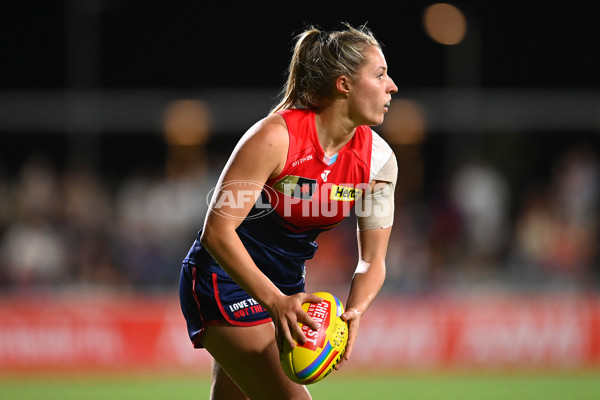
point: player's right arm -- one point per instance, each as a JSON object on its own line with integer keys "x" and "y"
{"x": 260, "y": 154}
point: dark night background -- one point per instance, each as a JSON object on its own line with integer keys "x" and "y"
{"x": 190, "y": 44}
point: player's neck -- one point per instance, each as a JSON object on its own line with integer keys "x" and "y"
{"x": 333, "y": 131}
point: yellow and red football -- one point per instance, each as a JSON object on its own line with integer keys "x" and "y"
{"x": 315, "y": 359}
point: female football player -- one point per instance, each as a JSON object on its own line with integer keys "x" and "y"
{"x": 293, "y": 174}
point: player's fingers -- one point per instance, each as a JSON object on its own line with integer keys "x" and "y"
{"x": 311, "y": 298}
{"x": 283, "y": 334}
{"x": 352, "y": 316}
{"x": 303, "y": 317}
{"x": 279, "y": 338}
{"x": 349, "y": 346}
{"x": 297, "y": 330}
{"x": 288, "y": 335}
{"x": 340, "y": 363}
{"x": 307, "y": 320}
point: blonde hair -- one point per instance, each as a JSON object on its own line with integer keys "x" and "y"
{"x": 319, "y": 58}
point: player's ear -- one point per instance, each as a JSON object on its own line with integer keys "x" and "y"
{"x": 343, "y": 84}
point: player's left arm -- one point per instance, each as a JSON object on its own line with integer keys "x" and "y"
{"x": 367, "y": 281}
{"x": 375, "y": 216}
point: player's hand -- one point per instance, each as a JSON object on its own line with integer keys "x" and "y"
{"x": 286, "y": 313}
{"x": 352, "y": 316}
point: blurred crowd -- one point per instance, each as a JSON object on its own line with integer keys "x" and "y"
{"x": 72, "y": 229}
{"x": 480, "y": 233}
{"x": 61, "y": 230}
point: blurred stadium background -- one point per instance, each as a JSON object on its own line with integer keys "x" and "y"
{"x": 117, "y": 116}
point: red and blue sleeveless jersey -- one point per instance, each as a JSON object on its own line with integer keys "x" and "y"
{"x": 314, "y": 191}
{"x": 312, "y": 194}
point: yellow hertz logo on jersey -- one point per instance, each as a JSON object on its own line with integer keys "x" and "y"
{"x": 344, "y": 193}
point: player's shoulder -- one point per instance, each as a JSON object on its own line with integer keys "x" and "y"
{"x": 275, "y": 124}
{"x": 269, "y": 132}
{"x": 379, "y": 144}
{"x": 265, "y": 144}
{"x": 382, "y": 155}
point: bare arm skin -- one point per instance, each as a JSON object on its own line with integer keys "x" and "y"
{"x": 367, "y": 281}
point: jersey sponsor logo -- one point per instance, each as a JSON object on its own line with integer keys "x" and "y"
{"x": 329, "y": 200}
{"x": 296, "y": 186}
{"x": 344, "y": 193}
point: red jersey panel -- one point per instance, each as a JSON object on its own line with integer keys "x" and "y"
{"x": 314, "y": 191}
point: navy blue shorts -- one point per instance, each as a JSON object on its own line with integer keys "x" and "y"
{"x": 209, "y": 298}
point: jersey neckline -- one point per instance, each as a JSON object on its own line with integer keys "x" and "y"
{"x": 325, "y": 159}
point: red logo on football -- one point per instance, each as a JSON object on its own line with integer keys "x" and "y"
{"x": 319, "y": 312}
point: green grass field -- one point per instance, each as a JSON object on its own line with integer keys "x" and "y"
{"x": 414, "y": 386}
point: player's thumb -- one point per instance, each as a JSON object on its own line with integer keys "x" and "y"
{"x": 351, "y": 313}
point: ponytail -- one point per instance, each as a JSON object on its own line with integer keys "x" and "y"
{"x": 293, "y": 90}
{"x": 318, "y": 59}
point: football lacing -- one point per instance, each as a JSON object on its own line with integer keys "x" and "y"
{"x": 338, "y": 334}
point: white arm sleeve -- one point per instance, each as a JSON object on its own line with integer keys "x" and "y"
{"x": 376, "y": 208}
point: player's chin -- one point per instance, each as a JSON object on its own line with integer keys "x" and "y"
{"x": 377, "y": 121}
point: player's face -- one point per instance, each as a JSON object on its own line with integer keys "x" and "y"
{"x": 372, "y": 90}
